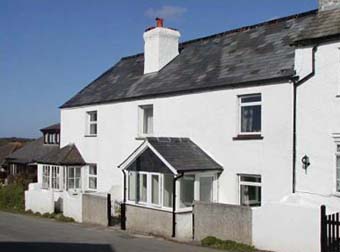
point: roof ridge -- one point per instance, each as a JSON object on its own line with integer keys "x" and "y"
{"x": 239, "y": 29}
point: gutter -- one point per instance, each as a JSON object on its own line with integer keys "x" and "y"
{"x": 174, "y": 205}
{"x": 123, "y": 205}
{"x": 296, "y": 84}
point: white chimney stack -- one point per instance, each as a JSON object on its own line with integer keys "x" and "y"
{"x": 160, "y": 47}
{"x": 328, "y": 4}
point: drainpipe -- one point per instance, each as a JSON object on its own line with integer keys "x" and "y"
{"x": 296, "y": 84}
{"x": 123, "y": 205}
{"x": 174, "y": 204}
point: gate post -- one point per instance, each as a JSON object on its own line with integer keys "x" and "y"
{"x": 323, "y": 229}
{"x": 109, "y": 207}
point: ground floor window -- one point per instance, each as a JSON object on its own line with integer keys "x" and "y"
{"x": 46, "y": 177}
{"x": 132, "y": 186}
{"x": 250, "y": 190}
{"x": 55, "y": 177}
{"x": 13, "y": 169}
{"x": 74, "y": 175}
{"x": 142, "y": 187}
{"x": 187, "y": 190}
{"x": 155, "y": 189}
{"x": 206, "y": 188}
{"x": 338, "y": 168}
{"x": 168, "y": 190}
{"x": 92, "y": 179}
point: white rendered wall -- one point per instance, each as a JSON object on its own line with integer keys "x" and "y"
{"x": 318, "y": 118}
{"x": 210, "y": 119}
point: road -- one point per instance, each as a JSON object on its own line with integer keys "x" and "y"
{"x": 29, "y": 233}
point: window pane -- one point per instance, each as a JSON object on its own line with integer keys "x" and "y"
{"x": 155, "y": 189}
{"x": 206, "y": 189}
{"x": 256, "y": 179}
{"x": 251, "y": 118}
{"x": 250, "y": 195}
{"x": 132, "y": 186}
{"x": 93, "y": 183}
{"x": 77, "y": 172}
{"x": 148, "y": 120}
{"x": 338, "y": 173}
{"x": 93, "y": 170}
{"x": 93, "y": 129}
{"x": 250, "y": 98}
{"x": 168, "y": 190}
{"x": 77, "y": 183}
{"x": 187, "y": 191}
{"x": 142, "y": 188}
{"x": 71, "y": 172}
{"x": 71, "y": 183}
{"x": 93, "y": 116}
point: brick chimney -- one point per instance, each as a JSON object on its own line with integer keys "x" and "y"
{"x": 160, "y": 46}
{"x": 328, "y": 4}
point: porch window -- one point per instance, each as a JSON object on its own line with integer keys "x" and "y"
{"x": 187, "y": 191}
{"x": 91, "y": 123}
{"x": 338, "y": 168}
{"x": 142, "y": 187}
{"x": 74, "y": 175}
{"x": 46, "y": 177}
{"x": 206, "y": 188}
{"x": 168, "y": 190}
{"x": 55, "y": 177}
{"x": 155, "y": 188}
{"x": 92, "y": 179}
{"x": 132, "y": 181}
{"x": 250, "y": 113}
{"x": 250, "y": 190}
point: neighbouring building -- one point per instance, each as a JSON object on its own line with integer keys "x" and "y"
{"x": 246, "y": 117}
{"x": 5, "y": 151}
{"x": 23, "y": 162}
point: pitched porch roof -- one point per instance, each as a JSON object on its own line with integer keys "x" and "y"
{"x": 68, "y": 155}
{"x": 178, "y": 154}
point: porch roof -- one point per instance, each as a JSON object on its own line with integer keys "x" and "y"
{"x": 68, "y": 155}
{"x": 178, "y": 154}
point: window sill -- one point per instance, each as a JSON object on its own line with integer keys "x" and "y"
{"x": 248, "y": 137}
{"x": 152, "y": 207}
{"x": 91, "y": 135}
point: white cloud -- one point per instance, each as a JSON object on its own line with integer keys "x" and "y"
{"x": 166, "y": 12}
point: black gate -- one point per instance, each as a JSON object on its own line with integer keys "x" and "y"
{"x": 330, "y": 237}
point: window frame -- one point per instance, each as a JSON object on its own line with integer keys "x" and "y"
{"x": 248, "y": 183}
{"x": 337, "y": 154}
{"x": 248, "y": 104}
{"x": 89, "y": 123}
{"x": 74, "y": 188}
{"x": 45, "y": 185}
{"x": 55, "y": 177}
{"x": 142, "y": 120}
{"x": 94, "y": 176}
{"x": 160, "y": 200}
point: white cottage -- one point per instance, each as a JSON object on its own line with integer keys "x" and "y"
{"x": 247, "y": 117}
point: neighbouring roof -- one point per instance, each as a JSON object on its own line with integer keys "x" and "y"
{"x": 252, "y": 54}
{"x": 68, "y": 155}
{"x": 181, "y": 153}
{"x": 7, "y": 149}
{"x": 31, "y": 152}
{"x": 54, "y": 127}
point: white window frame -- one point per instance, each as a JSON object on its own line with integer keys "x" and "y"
{"x": 74, "y": 188}
{"x": 248, "y": 104}
{"x": 256, "y": 184}
{"x": 337, "y": 154}
{"x": 89, "y": 123}
{"x": 141, "y": 120}
{"x": 160, "y": 200}
{"x": 55, "y": 176}
{"x": 95, "y": 176}
{"x": 147, "y": 189}
{"x": 162, "y": 191}
{"x": 44, "y": 176}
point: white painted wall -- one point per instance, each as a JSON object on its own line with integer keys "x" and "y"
{"x": 37, "y": 200}
{"x": 285, "y": 227}
{"x": 72, "y": 206}
{"x": 318, "y": 119}
{"x": 210, "y": 119}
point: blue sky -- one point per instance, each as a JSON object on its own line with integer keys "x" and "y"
{"x": 49, "y": 50}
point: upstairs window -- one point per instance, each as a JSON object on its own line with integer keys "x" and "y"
{"x": 51, "y": 138}
{"x": 146, "y": 120}
{"x": 250, "y": 114}
{"x": 92, "y": 184}
{"x": 250, "y": 190}
{"x": 91, "y": 120}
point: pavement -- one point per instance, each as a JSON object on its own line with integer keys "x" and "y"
{"x": 29, "y": 233}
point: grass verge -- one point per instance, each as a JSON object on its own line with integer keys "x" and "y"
{"x": 233, "y": 246}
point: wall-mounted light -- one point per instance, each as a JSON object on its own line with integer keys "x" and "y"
{"x": 305, "y": 162}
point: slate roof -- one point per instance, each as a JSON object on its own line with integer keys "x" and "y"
{"x": 7, "y": 149}
{"x": 249, "y": 55}
{"x": 54, "y": 127}
{"x": 68, "y": 155}
{"x": 32, "y": 151}
{"x": 325, "y": 24}
{"x": 183, "y": 154}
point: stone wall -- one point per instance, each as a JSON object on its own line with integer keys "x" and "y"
{"x": 227, "y": 222}
{"x": 95, "y": 209}
{"x": 148, "y": 221}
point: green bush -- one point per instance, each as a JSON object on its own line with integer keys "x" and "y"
{"x": 63, "y": 218}
{"x": 12, "y": 197}
{"x": 214, "y": 242}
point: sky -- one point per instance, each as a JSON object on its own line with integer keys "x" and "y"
{"x": 51, "y": 49}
